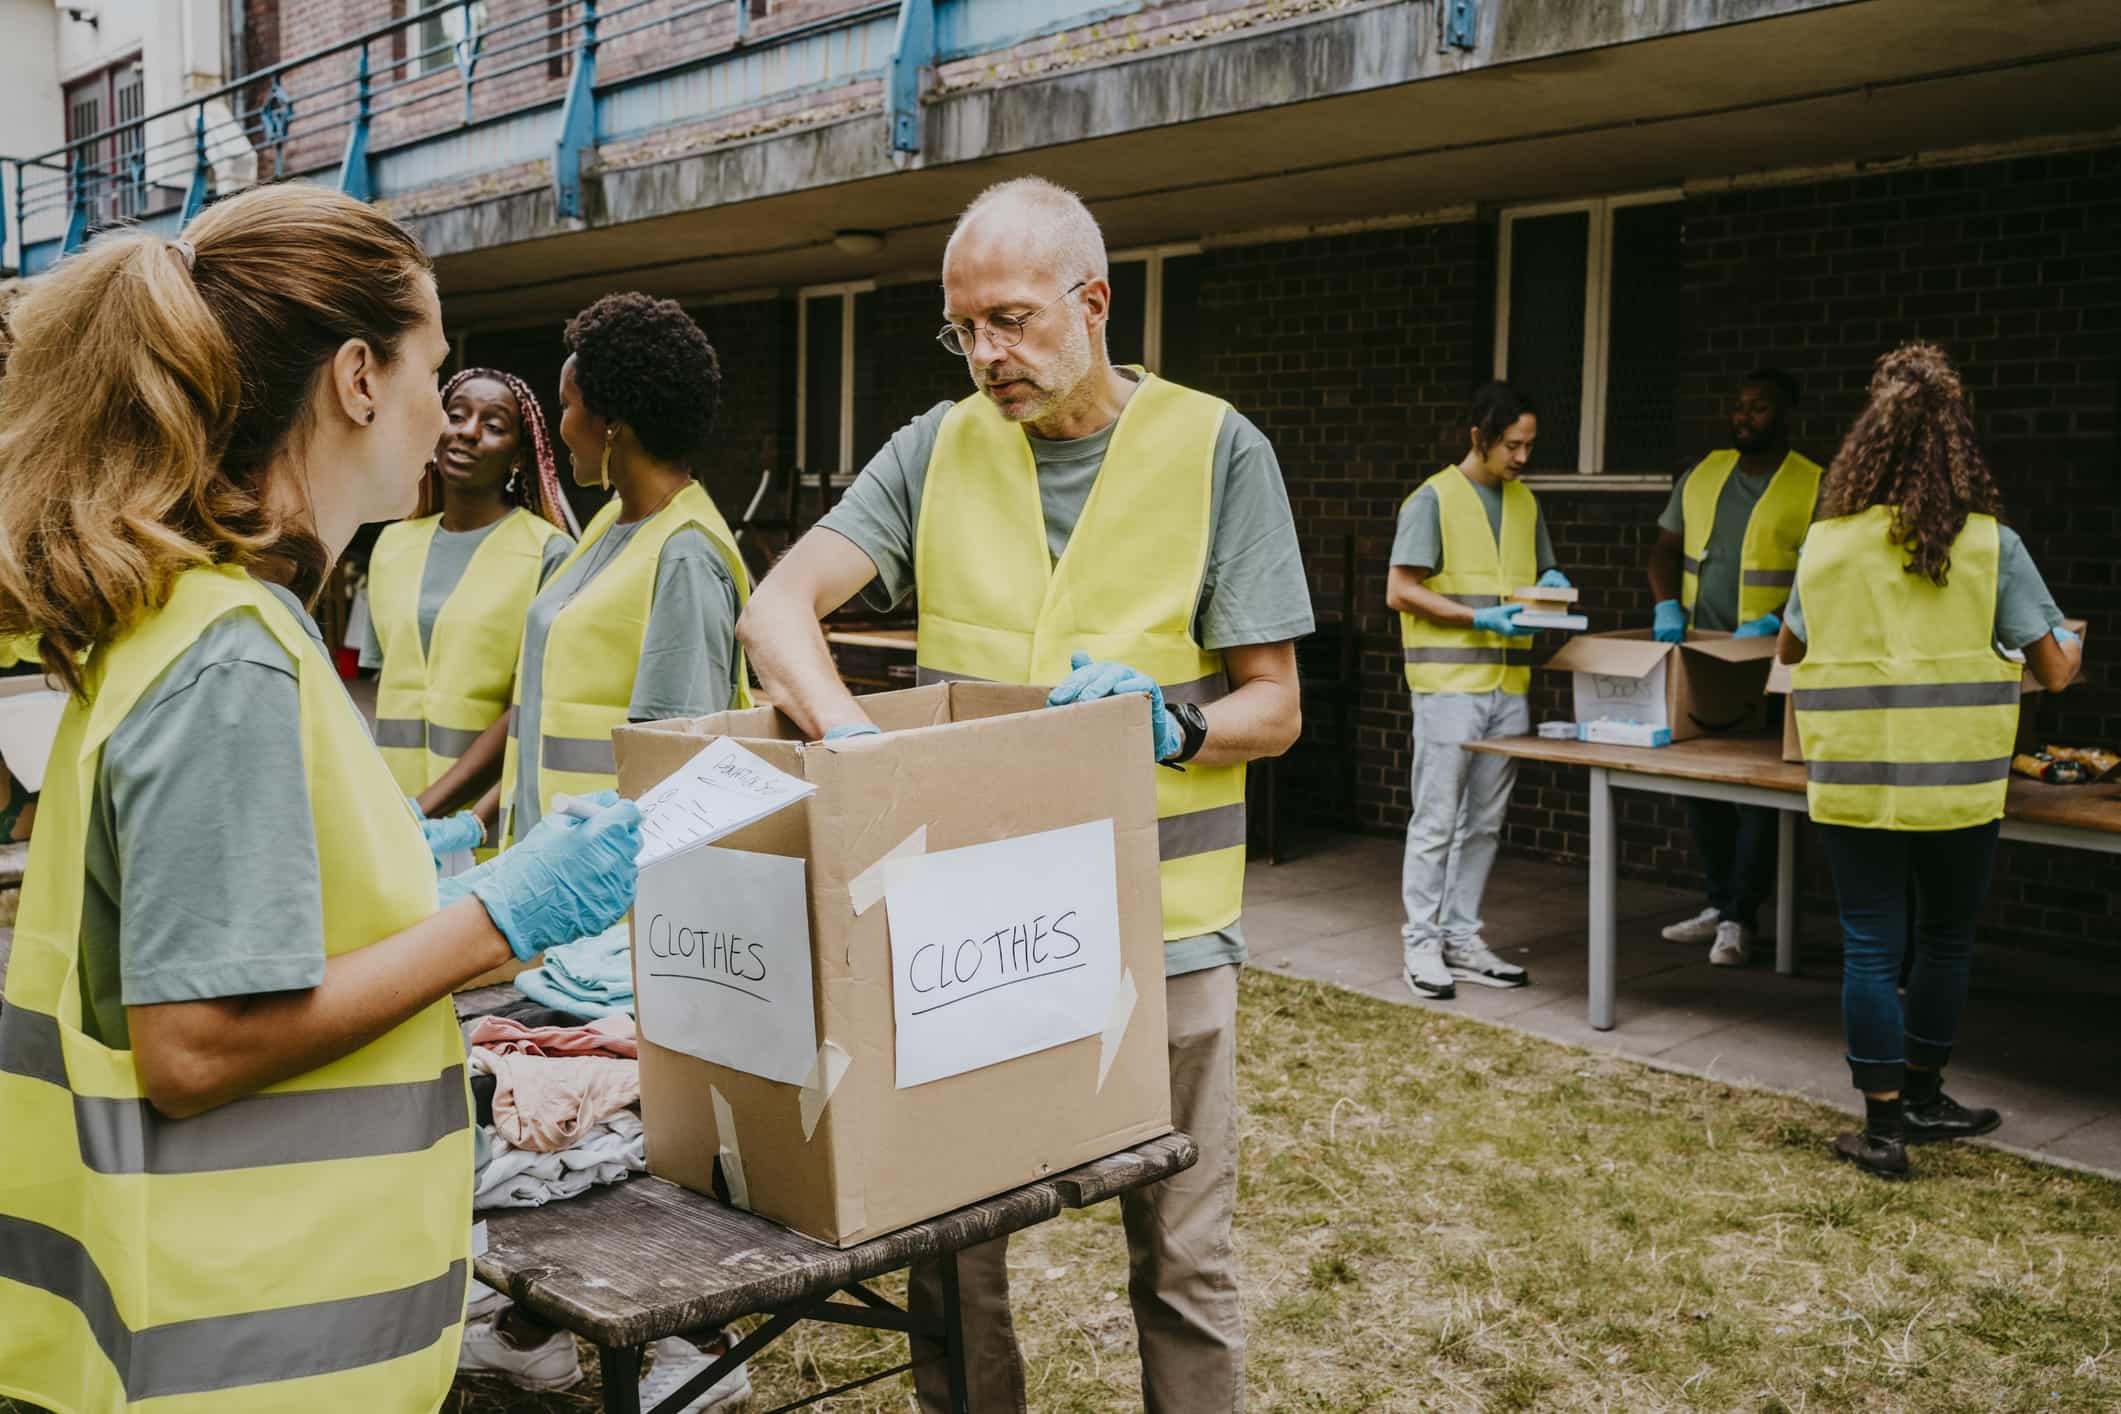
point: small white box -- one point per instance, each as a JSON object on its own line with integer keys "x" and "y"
{"x": 1616, "y": 733}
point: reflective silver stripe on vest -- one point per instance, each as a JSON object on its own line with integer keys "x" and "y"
{"x": 401, "y": 731}
{"x": 1514, "y": 657}
{"x": 1199, "y": 831}
{"x": 1475, "y": 601}
{"x": 1200, "y": 691}
{"x": 257, "y": 1131}
{"x": 1690, "y": 564}
{"x": 1780, "y": 578}
{"x": 449, "y": 741}
{"x": 583, "y": 755}
{"x": 1908, "y": 773}
{"x": 231, "y": 1352}
{"x": 1927, "y": 694}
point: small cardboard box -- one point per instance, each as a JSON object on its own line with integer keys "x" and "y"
{"x": 1712, "y": 683}
{"x": 1793, "y": 749}
{"x": 959, "y": 764}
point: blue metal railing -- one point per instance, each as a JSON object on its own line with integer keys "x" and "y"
{"x": 389, "y": 103}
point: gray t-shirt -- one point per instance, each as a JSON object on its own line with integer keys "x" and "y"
{"x": 1716, "y": 593}
{"x": 448, "y": 556}
{"x": 2025, "y": 611}
{"x": 1254, "y": 590}
{"x": 201, "y": 857}
{"x": 1418, "y": 541}
{"x": 688, "y": 651}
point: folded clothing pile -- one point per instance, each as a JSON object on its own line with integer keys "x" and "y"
{"x": 608, "y": 1152}
{"x": 589, "y": 978}
{"x": 553, "y": 1106}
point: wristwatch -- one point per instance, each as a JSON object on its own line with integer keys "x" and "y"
{"x": 1192, "y": 729}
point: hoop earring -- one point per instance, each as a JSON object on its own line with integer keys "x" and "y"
{"x": 604, "y": 468}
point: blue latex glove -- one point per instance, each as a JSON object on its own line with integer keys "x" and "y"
{"x": 1670, "y": 622}
{"x": 462, "y": 830}
{"x": 1091, "y": 681}
{"x": 847, "y": 729}
{"x": 2064, "y": 636}
{"x": 1500, "y": 618}
{"x": 1758, "y": 628}
{"x": 417, "y": 812}
{"x": 1554, "y": 579}
{"x": 566, "y": 879}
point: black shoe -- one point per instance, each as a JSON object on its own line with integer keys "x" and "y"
{"x": 1885, "y": 1157}
{"x": 1945, "y": 1118}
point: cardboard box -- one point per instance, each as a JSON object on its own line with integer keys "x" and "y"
{"x": 1711, "y": 684}
{"x": 958, "y": 765}
{"x": 1793, "y": 749}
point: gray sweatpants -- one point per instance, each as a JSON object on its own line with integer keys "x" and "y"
{"x": 1459, "y": 799}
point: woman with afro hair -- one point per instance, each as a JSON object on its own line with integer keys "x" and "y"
{"x": 448, "y": 592}
{"x": 639, "y": 623}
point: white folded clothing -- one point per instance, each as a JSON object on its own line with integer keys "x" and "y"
{"x": 522, "y": 1178}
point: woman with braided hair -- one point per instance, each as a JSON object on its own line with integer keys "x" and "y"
{"x": 1907, "y": 708}
{"x": 447, "y": 593}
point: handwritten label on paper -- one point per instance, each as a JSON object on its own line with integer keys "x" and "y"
{"x": 716, "y": 793}
{"x": 721, "y": 941}
{"x": 999, "y": 950}
{"x": 1617, "y": 698}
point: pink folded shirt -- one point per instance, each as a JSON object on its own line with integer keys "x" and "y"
{"x": 546, "y": 1103}
{"x": 612, "y": 1035}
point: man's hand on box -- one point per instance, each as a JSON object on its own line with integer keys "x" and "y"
{"x": 1092, "y": 680}
{"x": 1670, "y": 622}
{"x": 1762, "y": 627}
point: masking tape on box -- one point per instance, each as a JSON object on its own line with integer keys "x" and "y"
{"x": 865, "y": 888}
{"x": 1122, "y": 1012}
{"x": 731, "y": 1154}
{"x": 826, "y": 1073}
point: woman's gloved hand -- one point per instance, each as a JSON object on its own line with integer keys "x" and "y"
{"x": 1670, "y": 623}
{"x": 1091, "y": 681}
{"x": 567, "y": 879}
{"x": 1500, "y": 618}
{"x": 1759, "y": 628}
{"x": 462, "y": 830}
{"x": 1555, "y": 579}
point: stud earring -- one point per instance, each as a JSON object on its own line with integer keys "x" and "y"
{"x": 371, "y": 420}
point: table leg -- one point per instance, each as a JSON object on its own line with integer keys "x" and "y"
{"x": 1786, "y": 892}
{"x": 1604, "y": 867}
{"x": 954, "y": 1339}
{"x": 621, "y": 1369}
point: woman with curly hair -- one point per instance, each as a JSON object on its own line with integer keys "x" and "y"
{"x": 448, "y": 592}
{"x": 1907, "y": 708}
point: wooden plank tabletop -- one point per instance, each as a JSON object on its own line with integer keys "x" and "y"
{"x": 894, "y": 639}
{"x": 1756, "y": 760}
{"x": 644, "y": 1259}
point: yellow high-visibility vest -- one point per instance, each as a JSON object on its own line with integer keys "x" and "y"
{"x": 1906, "y": 710}
{"x": 994, "y": 606}
{"x": 432, "y": 702}
{"x": 1767, "y": 563}
{"x": 594, "y": 651}
{"x": 1478, "y": 571}
{"x": 305, "y": 1247}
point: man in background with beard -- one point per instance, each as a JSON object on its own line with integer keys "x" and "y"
{"x": 1066, "y": 505}
{"x": 1725, "y": 560}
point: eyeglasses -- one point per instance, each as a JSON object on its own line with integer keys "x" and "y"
{"x": 1006, "y": 330}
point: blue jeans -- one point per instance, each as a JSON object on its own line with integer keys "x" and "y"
{"x": 1737, "y": 844}
{"x": 1873, "y": 869}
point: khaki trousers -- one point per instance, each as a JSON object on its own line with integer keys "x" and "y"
{"x": 1182, "y": 1267}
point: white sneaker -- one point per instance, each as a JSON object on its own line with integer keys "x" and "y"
{"x": 1473, "y": 961}
{"x": 485, "y": 1302}
{"x": 1698, "y": 929}
{"x": 1733, "y": 946}
{"x": 678, "y": 1360}
{"x": 550, "y": 1366}
{"x": 1425, "y": 973}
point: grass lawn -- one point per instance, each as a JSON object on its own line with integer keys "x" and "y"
{"x": 1440, "y": 1215}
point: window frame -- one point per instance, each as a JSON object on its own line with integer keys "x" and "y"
{"x": 844, "y": 291}
{"x": 1153, "y": 257}
{"x": 1597, "y": 331}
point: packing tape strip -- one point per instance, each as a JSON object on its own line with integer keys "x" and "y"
{"x": 732, "y": 1154}
{"x": 826, "y": 1073}
{"x": 865, "y": 888}
{"x": 1122, "y": 1012}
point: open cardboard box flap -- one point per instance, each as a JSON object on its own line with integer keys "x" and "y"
{"x": 1616, "y": 656}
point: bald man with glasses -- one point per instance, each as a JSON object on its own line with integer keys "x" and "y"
{"x": 1183, "y": 569}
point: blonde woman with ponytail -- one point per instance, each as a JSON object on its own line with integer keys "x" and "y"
{"x": 238, "y": 1150}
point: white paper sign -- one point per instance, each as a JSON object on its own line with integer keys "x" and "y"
{"x": 721, "y": 953}
{"x": 1614, "y": 698}
{"x": 999, "y": 950}
{"x": 716, "y": 793}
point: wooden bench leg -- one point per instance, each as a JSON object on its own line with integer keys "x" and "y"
{"x": 621, "y": 1370}
{"x": 954, "y": 1339}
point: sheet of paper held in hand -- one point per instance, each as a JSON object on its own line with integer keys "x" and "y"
{"x": 1002, "y": 949}
{"x": 716, "y": 793}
